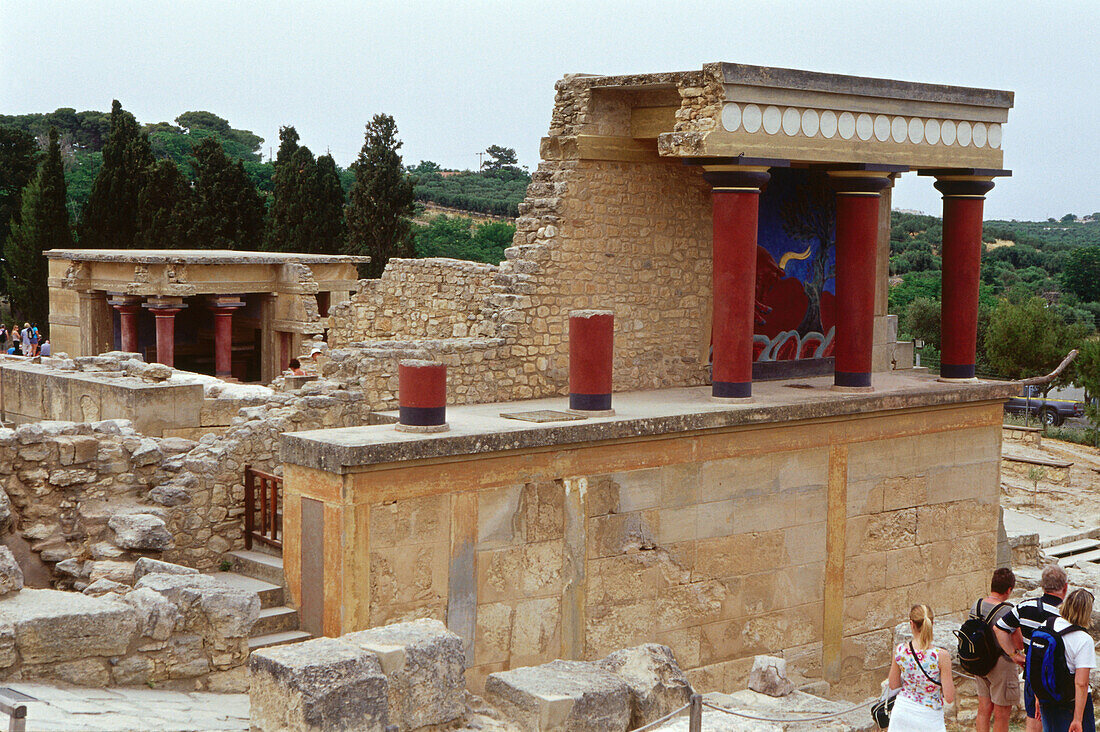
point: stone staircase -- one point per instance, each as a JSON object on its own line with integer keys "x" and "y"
{"x": 262, "y": 573}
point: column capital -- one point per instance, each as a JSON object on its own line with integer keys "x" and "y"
{"x": 860, "y": 182}
{"x": 162, "y": 305}
{"x": 960, "y": 186}
{"x": 219, "y": 302}
{"x": 738, "y": 174}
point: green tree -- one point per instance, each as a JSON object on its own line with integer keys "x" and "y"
{"x": 307, "y": 209}
{"x": 1069, "y": 218}
{"x": 1081, "y": 273}
{"x": 500, "y": 157}
{"x": 922, "y": 320}
{"x": 1025, "y": 339}
{"x": 43, "y": 224}
{"x": 109, "y": 219}
{"x": 1088, "y": 377}
{"x": 165, "y": 209}
{"x": 380, "y": 199}
{"x": 18, "y": 161}
{"x": 229, "y": 213}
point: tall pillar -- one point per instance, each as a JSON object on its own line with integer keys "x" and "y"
{"x": 963, "y": 200}
{"x": 735, "y": 202}
{"x": 857, "y": 213}
{"x": 223, "y": 308}
{"x": 128, "y": 307}
{"x": 165, "y": 310}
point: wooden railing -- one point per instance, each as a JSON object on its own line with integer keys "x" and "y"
{"x": 263, "y": 500}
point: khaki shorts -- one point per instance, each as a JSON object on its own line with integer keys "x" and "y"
{"x": 1001, "y": 685}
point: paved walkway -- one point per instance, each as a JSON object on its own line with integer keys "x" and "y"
{"x": 128, "y": 709}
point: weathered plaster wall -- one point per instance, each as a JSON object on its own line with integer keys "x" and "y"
{"x": 809, "y": 539}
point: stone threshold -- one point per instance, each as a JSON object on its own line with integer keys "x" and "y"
{"x": 480, "y": 428}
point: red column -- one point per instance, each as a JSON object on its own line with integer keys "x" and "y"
{"x": 591, "y": 356}
{"x": 127, "y": 307}
{"x": 857, "y": 207}
{"x": 223, "y": 335}
{"x": 422, "y": 396}
{"x": 963, "y": 199}
{"x": 735, "y": 203}
{"x": 166, "y": 334}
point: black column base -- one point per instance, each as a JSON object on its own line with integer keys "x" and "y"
{"x": 731, "y": 389}
{"x": 422, "y": 416}
{"x": 956, "y": 371}
{"x": 589, "y": 402}
{"x": 852, "y": 378}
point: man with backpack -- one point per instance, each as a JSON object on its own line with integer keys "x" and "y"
{"x": 980, "y": 653}
{"x": 1014, "y": 629}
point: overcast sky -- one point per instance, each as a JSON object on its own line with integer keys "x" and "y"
{"x": 461, "y": 75}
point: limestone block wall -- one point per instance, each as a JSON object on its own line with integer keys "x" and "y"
{"x": 417, "y": 298}
{"x": 806, "y": 539}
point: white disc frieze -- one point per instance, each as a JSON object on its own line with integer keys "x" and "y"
{"x": 773, "y": 120}
{"x": 899, "y": 129}
{"x": 847, "y": 125}
{"x": 932, "y": 131}
{"x": 865, "y": 126}
{"x": 751, "y": 118}
{"x": 916, "y": 131}
{"x": 963, "y": 133}
{"x": 979, "y": 135}
{"x": 731, "y": 117}
{"x": 792, "y": 121}
{"x": 994, "y": 136}
{"x": 810, "y": 122}
{"x": 947, "y": 132}
{"x": 882, "y": 128}
{"x": 828, "y": 124}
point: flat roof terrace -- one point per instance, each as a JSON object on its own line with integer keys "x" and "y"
{"x": 198, "y": 256}
{"x": 480, "y": 428}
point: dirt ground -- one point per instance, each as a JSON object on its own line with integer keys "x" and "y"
{"x": 1075, "y": 505}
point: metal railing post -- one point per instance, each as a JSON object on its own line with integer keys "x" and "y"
{"x": 695, "y": 714}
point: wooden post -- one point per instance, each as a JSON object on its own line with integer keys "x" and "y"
{"x": 249, "y": 506}
{"x": 695, "y": 714}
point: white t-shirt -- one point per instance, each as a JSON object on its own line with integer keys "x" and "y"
{"x": 1080, "y": 648}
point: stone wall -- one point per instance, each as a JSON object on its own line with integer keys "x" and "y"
{"x": 806, "y": 539}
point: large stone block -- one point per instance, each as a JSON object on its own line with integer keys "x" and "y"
{"x": 11, "y": 575}
{"x": 657, "y": 685}
{"x": 319, "y": 685}
{"x": 228, "y": 612}
{"x": 51, "y": 625}
{"x": 141, "y": 531}
{"x": 148, "y": 565}
{"x": 424, "y": 663}
{"x": 571, "y": 696}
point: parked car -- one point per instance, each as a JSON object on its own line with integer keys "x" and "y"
{"x": 1052, "y": 412}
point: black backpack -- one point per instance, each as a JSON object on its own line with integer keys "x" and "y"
{"x": 1046, "y": 670}
{"x": 978, "y": 646}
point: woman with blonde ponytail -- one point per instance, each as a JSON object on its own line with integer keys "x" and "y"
{"x": 922, "y": 673}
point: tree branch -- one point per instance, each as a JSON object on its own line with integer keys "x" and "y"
{"x": 1043, "y": 380}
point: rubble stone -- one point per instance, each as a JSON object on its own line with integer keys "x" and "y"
{"x": 321, "y": 684}
{"x": 148, "y": 565}
{"x": 657, "y": 685}
{"x": 769, "y": 676}
{"x": 141, "y": 531}
{"x": 11, "y": 575}
{"x": 561, "y": 695}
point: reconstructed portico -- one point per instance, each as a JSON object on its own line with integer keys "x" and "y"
{"x": 775, "y": 478}
{"x": 239, "y": 315}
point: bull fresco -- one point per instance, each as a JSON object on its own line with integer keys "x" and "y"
{"x": 795, "y": 268}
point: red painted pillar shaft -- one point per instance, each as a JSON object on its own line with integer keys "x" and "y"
{"x": 963, "y": 201}
{"x": 735, "y": 204}
{"x": 223, "y": 341}
{"x": 591, "y": 358}
{"x": 857, "y": 210}
{"x": 166, "y": 335}
{"x": 422, "y": 396}
{"x": 127, "y": 317}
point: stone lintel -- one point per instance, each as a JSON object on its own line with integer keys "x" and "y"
{"x": 479, "y": 429}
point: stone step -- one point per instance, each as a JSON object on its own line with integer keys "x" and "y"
{"x": 1075, "y": 560}
{"x": 275, "y": 620}
{"x": 257, "y": 565}
{"x": 277, "y": 639}
{"x": 1073, "y": 547}
{"x": 270, "y": 595}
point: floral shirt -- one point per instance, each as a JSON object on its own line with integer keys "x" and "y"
{"x": 915, "y": 686}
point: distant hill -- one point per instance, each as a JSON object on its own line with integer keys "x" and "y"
{"x": 497, "y": 192}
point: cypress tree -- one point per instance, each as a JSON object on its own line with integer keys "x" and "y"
{"x": 229, "y": 213}
{"x": 380, "y": 199}
{"x": 307, "y": 213}
{"x": 110, "y": 217}
{"x": 43, "y": 224}
{"x": 18, "y": 162}
{"x": 165, "y": 209}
